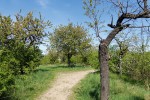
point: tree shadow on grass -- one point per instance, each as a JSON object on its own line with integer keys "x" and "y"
{"x": 49, "y": 68}
{"x": 95, "y": 92}
{"x": 96, "y": 72}
{"x": 131, "y": 81}
{"x": 126, "y": 79}
{"x": 57, "y": 67}
{"x": 40, "y": 70}
{"x": 137, "y": 98}
{"x": 67, "y": 67}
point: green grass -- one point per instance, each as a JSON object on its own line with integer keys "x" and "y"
{"x": 31, "y": 86}
{"x": 89, "y": 89}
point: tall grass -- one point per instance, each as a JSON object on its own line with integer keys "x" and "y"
{"x": 89, "y": 89}
{"x": 30, "y": 86}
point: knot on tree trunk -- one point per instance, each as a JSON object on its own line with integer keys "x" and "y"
{"x": 103, "y": 49}
{"x": 103, "y": 42}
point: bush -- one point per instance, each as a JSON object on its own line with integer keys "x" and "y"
{"x": 76, "y": 59}
{"x": 50, "y": 58}
{"x": 19, "y": 52}
{"x": 93, "y": 58}
{"x": 45, "y": 60}
{"x": 137, "y": 66}
{"x": 6, "y": 74}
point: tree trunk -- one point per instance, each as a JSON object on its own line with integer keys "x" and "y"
{"x": 104, "y": 71}
{"x": 147, "y": 84}
{"x": 69, "y": 59}
{"x": 120, "y": 65}
{"x": 104, "y": 68}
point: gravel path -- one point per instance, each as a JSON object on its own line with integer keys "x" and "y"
{"x": 61, "y": 88}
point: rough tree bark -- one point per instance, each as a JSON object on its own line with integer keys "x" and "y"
{"x": 104, "y": 69}
{"x": 69, "y": 59}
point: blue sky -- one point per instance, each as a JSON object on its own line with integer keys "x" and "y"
{"x": 57, "y": 11}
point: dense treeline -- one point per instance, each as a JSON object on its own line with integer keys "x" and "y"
{"x": 128, "y": 61}
{"x": 70, "y": 44}
{"x": 19, "y": 51}
{"x": 135, "y": 65}
{"x": 91, "y": 56}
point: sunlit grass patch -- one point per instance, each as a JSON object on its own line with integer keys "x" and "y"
{"x": 89, "y": 89}
{"x": 32, "y": 85}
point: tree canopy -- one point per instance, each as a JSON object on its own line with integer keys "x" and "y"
{"x": 70, "y": 40}
{"x": 19, "y": 51}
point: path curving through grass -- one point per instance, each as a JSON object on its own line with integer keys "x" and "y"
{"x": 61, "y": 88}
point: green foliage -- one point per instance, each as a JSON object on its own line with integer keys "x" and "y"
{"x": 117, "y": 53}
{"x": 70, "y": 40}
{"x": 20, "y": 39}
{"x": 6, "y": 81}
{"x": 19, "y": 52}
{"x": 6, "y": 74}
{"x": 51, "y": 58}
{"x": 114, "y": 60}
{"x": 137, "y": 66}
{"x": 77, "y": 59}
{"x": 93, "y": 58}
{"x": 45, "y": 60}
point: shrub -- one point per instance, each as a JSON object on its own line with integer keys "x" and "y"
{"x": 93, "y": 58}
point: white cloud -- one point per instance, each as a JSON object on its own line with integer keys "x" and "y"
{"x": 43, "y": 3}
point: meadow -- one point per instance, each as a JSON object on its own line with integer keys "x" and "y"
{"x": 120, "y": 89}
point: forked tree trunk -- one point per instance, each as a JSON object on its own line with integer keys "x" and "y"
{"x": 104, "y": 71}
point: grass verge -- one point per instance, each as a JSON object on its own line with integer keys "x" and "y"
{"x": 89, "y": 89}
{"x": 30, "y": 86}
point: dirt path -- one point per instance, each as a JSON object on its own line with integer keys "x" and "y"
{"x": 62, "y": 86}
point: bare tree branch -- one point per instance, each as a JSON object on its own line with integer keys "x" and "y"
{"x": 138, "y": 2}
{"x": 145, "y": 5}
{"x": 127, "y": 6}
{"x": 139, "y": 26}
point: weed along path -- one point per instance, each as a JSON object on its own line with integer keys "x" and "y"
{"x": 62, "y": 86}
